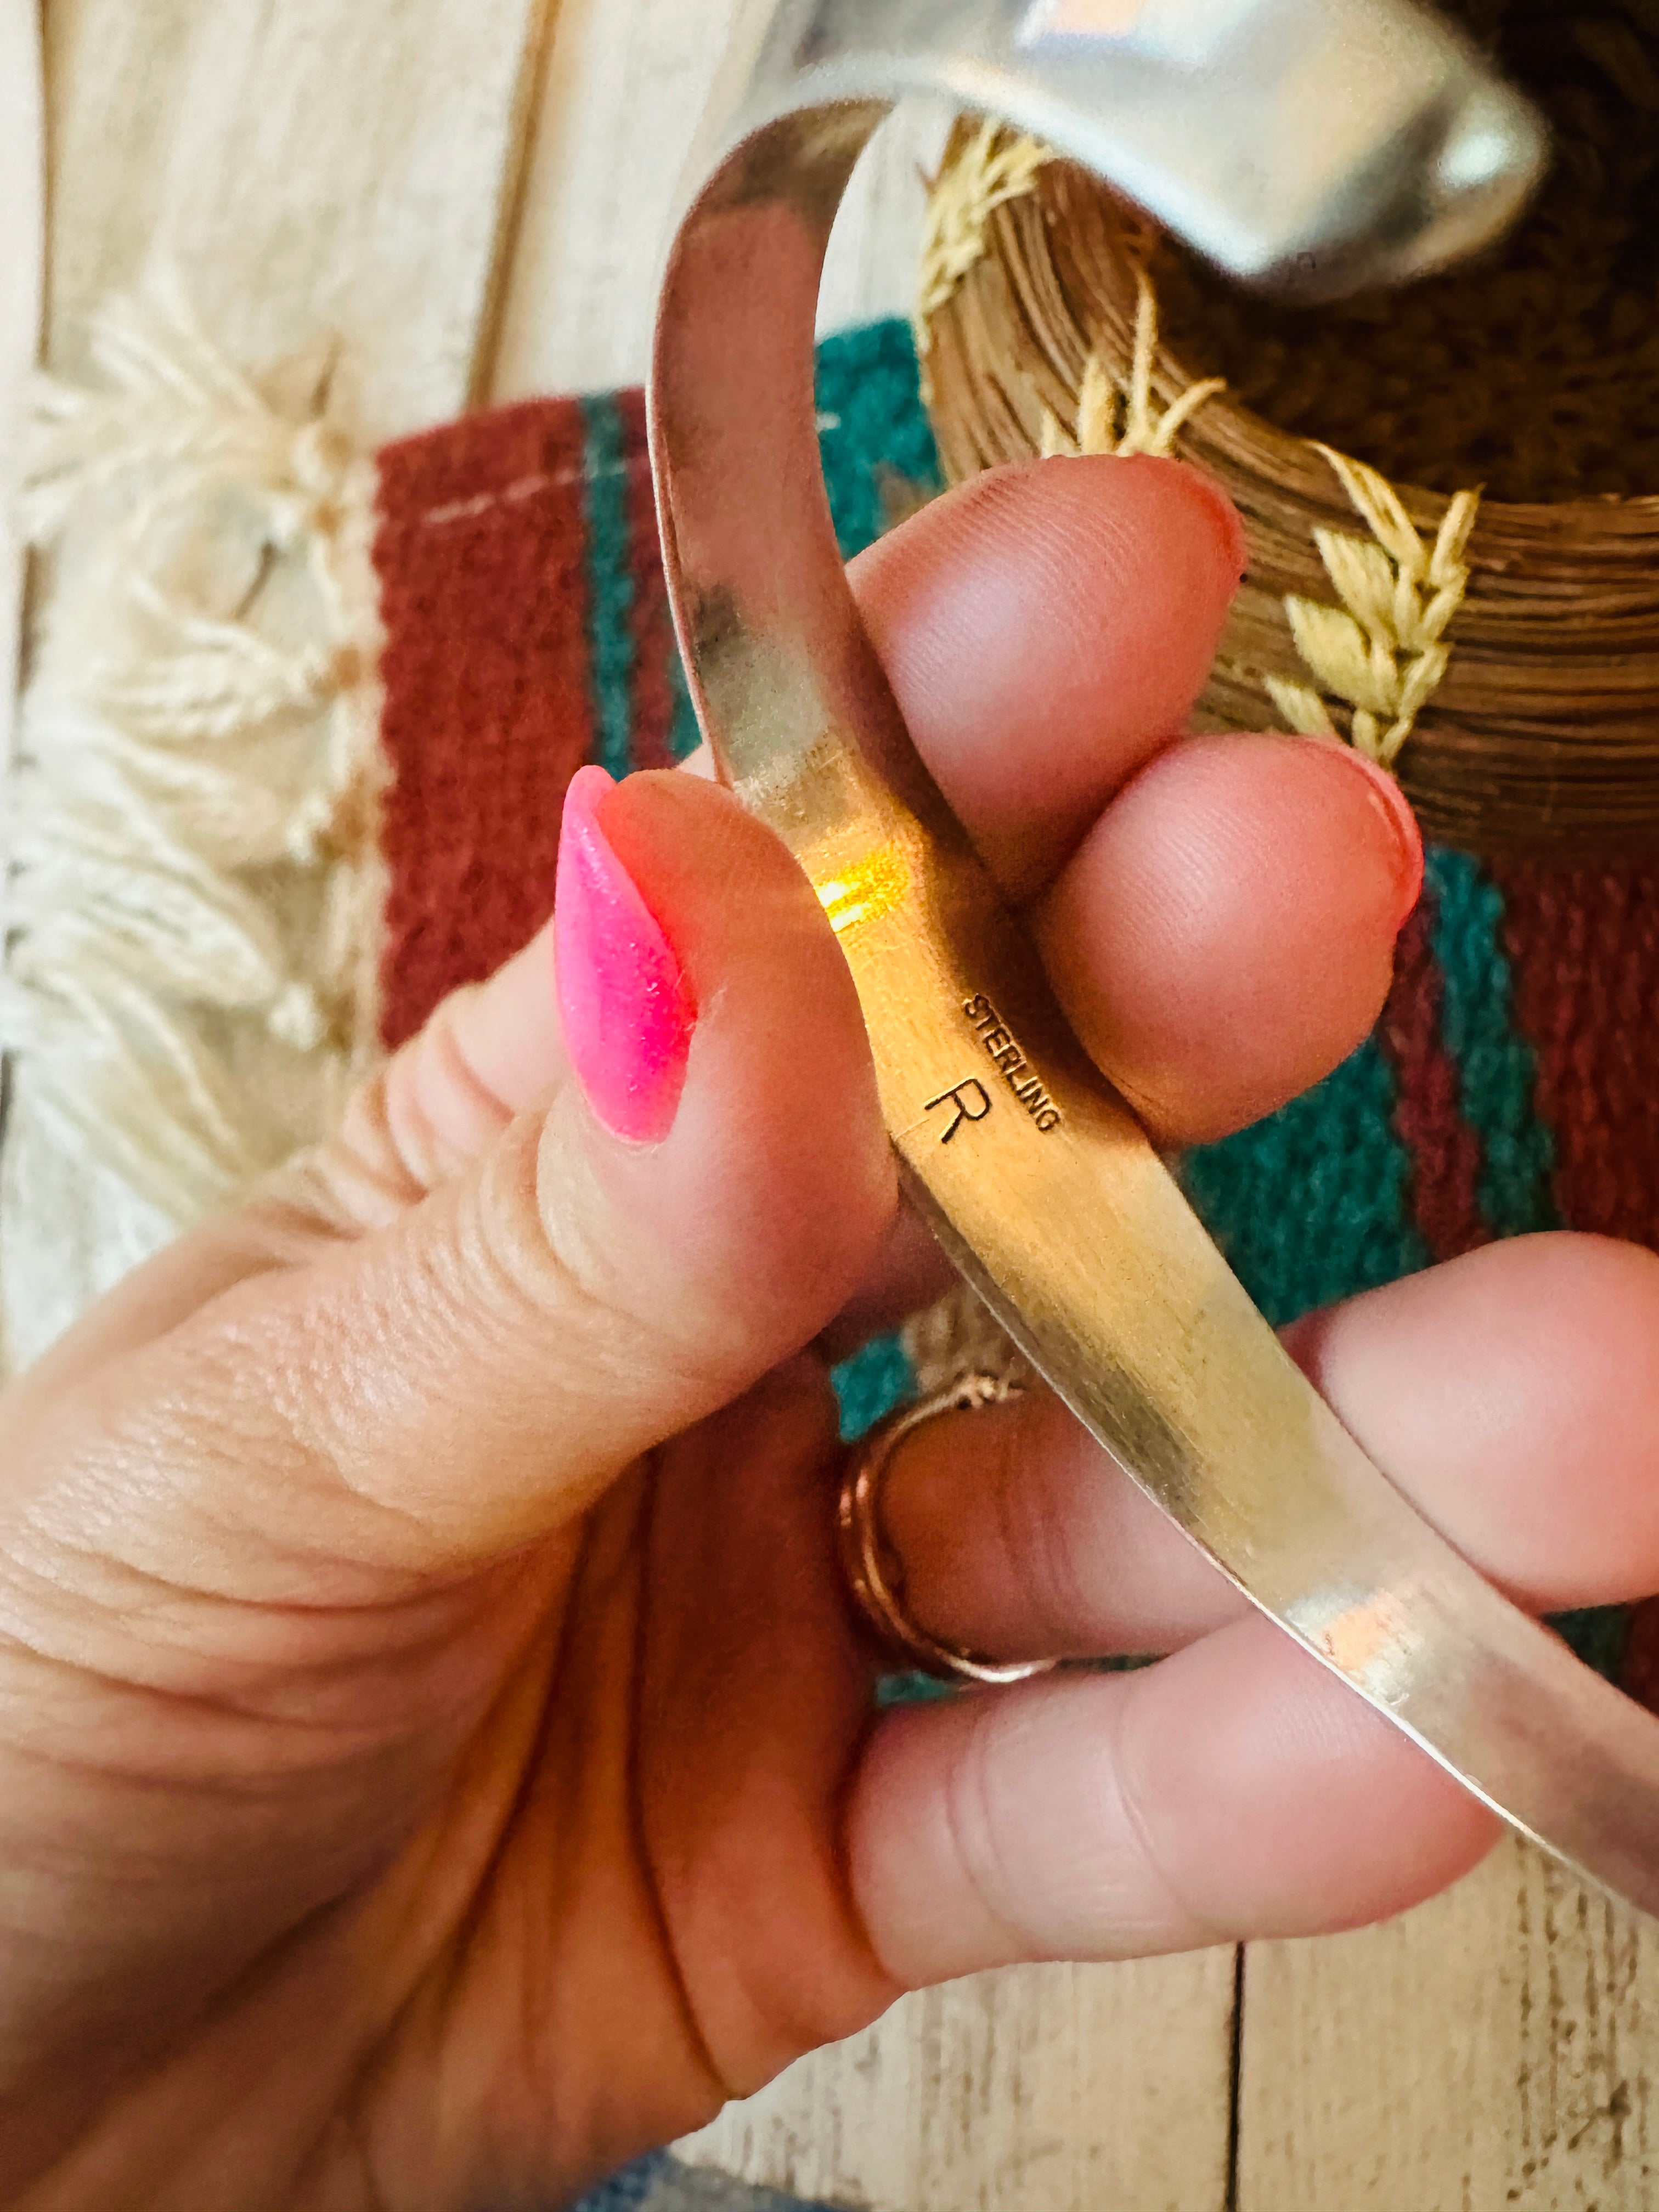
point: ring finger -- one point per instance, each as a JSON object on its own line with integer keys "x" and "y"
{"x": 1523, "y": 1432}
{"x": 1238, "y": 1789}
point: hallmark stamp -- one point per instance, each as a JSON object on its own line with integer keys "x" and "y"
{"x": 971, "y": 1100}
{"x": 1005, "y": 1050}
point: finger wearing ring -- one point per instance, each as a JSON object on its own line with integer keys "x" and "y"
{"x": 874, "y": 1572}
{"x": 985, "y": 1520}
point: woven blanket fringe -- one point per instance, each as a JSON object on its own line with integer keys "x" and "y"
{"x": 194, "y": 801}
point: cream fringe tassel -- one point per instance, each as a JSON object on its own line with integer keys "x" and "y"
{"x": 193, "y": 881}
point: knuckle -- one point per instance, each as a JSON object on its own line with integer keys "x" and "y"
{"x": 554, "y": 1229}
{"x": 439, "y": 1113}
{"x": 1149, "y": 1874}
{"x": 1035, "y": 1530}
{"x": 355, "y": 1179}
{"x": 409, "y": 1127}
{"x": 978, "y": 1832}
{"x": 341, "y": 1189}
{"x": 640, "y": 1300}
{"x": 544, "y": 1255}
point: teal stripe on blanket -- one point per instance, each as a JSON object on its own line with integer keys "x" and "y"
{"x": 611, "y": 588}
{"x": 879, "y": 459}
{"x": 683, "y": 737}
{"x": 1312, "y": 1204}
{"x": 871, "y": 1384}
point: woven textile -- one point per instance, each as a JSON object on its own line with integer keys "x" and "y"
{"x": 1511, "y": 1084}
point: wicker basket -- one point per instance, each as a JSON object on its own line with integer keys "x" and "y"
{"x": 1473, "y": 597}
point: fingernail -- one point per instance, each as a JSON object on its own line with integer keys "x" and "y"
{"x": 1395, "y": 809}
{"x": 627, "y": 1009}
{"x": 1229, "y": 521}
{"x": 1224, "y": 514}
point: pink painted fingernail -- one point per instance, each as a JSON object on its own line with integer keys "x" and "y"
{"x": 627, "y": 1008}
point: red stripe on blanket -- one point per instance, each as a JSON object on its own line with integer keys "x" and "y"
{"x": 1445, "y": 1152}
{"x": 481, "y": 551}
{"x": 1584, "y": 946}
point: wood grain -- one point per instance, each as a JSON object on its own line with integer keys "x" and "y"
{"x": 1496, "y": 2048}
{"x": 311, "y": 166}
{"x": 622, "y": 86}
{"x": 1043, "y": 2089}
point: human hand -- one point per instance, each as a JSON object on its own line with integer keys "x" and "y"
{"x": 437, "y": 1759}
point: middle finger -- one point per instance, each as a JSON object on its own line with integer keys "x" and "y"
{"x": 1218, "y": 915}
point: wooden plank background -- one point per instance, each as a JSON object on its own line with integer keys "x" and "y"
{"x": 22, "y": 258}
{"x": 473, "y": 194}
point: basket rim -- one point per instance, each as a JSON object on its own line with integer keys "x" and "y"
{"x": 1601, "y": 512}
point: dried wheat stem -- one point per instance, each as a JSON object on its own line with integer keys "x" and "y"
{"x": 1114, "y": 417}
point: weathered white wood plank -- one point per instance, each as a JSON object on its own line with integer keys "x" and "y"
{"x": 311, "y": 166}
{"x": 1045, "y": 2089}
{"x": 624, "y": 86}
{"x": 1497, "y": 2049}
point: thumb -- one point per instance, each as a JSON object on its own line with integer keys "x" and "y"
{"x": 706, "y": 1184}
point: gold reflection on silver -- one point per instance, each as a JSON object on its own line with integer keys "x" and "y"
{"x": 869, "y": 889}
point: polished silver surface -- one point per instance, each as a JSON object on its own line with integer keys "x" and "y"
{"x": 1036, "y": 1175}
{"x": 1312, "y": 145}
